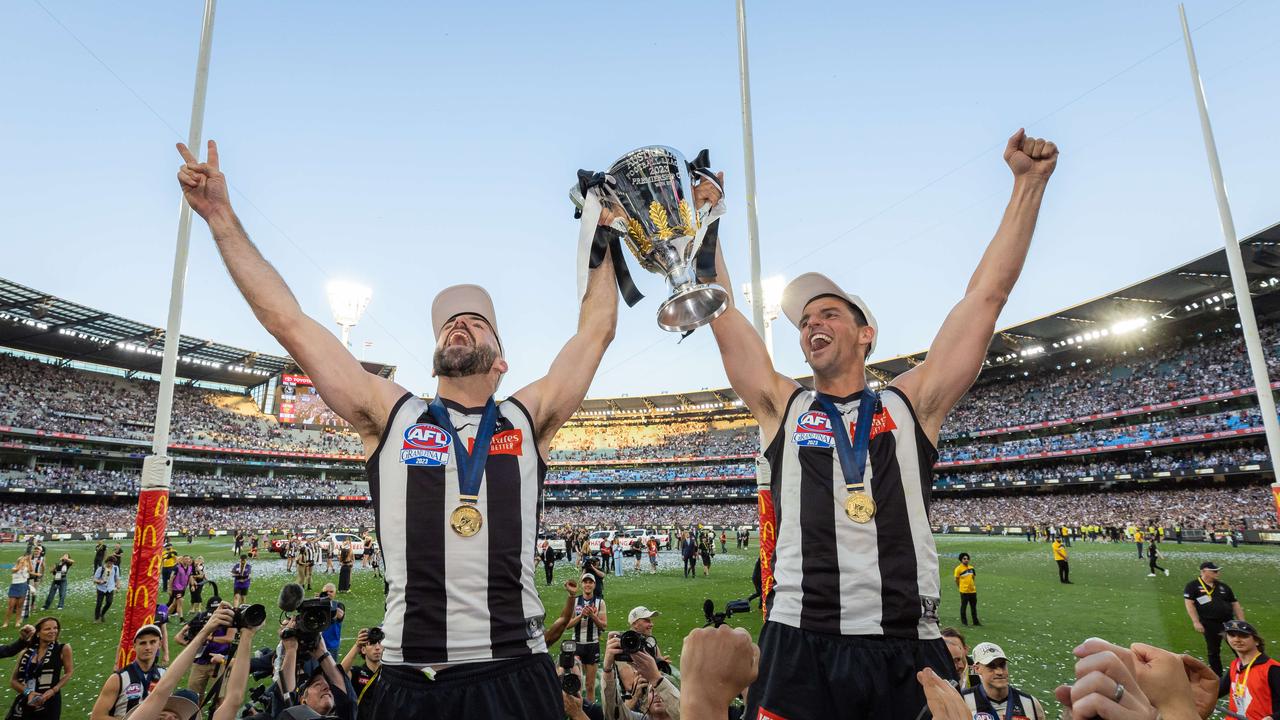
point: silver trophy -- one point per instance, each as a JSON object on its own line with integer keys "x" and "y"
{"x": 652, "y": 188}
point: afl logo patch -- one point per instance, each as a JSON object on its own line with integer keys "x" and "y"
{"x": 425, "y": 445}
{"x": 984, "y": 716}
{"x": 813, "y": 429}
{"x": 133, "y": 691}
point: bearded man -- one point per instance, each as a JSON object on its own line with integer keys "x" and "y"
{"x": 455, "y": 481}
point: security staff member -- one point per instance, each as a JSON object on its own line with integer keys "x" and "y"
{"x": 994, "y": 696}
{"x": 1060, "y": 556}
{"x": 964, "y": 574}
{"x": 1210, "y": 603}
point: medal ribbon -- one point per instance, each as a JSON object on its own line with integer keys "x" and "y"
{"x": 470, "y": 464}
{"x": 853, "y": 455}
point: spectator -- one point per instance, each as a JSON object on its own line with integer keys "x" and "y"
{"x": 1253, "y": 683}
{"x": 58, "y": 584}
{"x": 105, "y": 580}
{"x": 994, "y": 689}
{"x": 959, "y": 656}
{"x": 99, "y": 552}
{"x": 179, "y": 581}
{"x": 43, "y": 670}
{"x": 346, "y": 561}
{"x": 333, "y": 634}
{"x": 198, "y": 579}
{"x": 18, "y": 589}
{"x": 240, "y": 577}
{"x": 965, "y": 574}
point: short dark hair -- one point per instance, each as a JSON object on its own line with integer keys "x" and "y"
{"x": 858, "y": 316}
{"x": 962, "y": 556}
{"x": 950, "y": 632}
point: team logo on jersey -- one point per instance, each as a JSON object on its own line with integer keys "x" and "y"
{"x": 425, "y": 445}
{"x": 507, "y": 442}
{"x": 533, "y": 626}
{"x": 813, "y": 429}
{"x": 929, "y": 609}
{"x": 134, "y": 691}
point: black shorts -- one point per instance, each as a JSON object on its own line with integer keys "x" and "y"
{"x": 806, "y": 675}
{"x": 526, "y": 687}
{"x": 589, "y": 653}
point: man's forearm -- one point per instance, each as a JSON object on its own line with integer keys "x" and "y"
{"x": 1002, "y": 262}
{"x": 598, "y": 316}
{"x": 262, "y": 287}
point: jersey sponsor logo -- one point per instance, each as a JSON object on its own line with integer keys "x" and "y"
{"x": 134, "y": 691}
{"x": 507, "y": 442}
{"x": 425, "y": 445}
{"x": 880, "y": 422}
{"x": 813, "y": 429}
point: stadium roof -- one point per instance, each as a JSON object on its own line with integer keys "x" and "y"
{"x": 1195, "y": 288}
{"x": 36, "y": 322}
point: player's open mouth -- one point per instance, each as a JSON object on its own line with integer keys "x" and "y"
{"x": 818, "y": 341}
{"x": 458, "y": 337}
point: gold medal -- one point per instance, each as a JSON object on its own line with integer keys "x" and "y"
{"x": 860, "y": 507}
{"x": 466, "y": 520}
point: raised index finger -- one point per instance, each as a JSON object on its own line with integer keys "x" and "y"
{"x": 185, "y": 152}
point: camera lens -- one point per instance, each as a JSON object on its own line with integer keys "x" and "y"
{"x": 250, "y": 616}
{"x": 570, "y": 683}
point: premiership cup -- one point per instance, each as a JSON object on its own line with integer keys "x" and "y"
{"x": 652, "y": 187}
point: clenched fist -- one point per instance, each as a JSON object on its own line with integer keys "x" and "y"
{"x": 1033, "y": 157}
{"x": 203, "y": 184}
{"x": 716, "y": 664}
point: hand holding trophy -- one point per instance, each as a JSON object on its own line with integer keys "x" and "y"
{"x": 650, "y": 200}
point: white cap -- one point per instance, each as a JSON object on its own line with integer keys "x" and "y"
{"x": 804, "y": 289}
{"x": 640, "y": 613}
{"x": 458, "y": 299}
{"x": 987, "y": 653}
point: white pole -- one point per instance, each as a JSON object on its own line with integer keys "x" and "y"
{"x": 749, "y": 167}
{"x": 1239, "y": 279}
{"x": 173, "y": 329}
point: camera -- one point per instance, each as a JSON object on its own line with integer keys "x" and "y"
{"x": 731, "y": 608}
{"x": 570, "y": 683}
{"x": 374, "y": 635}
{"x": 633, "y": 642}
{"x": 314, "y": 616}
{"x": 242, "y": 617}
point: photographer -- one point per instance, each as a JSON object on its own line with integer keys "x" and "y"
{"x": 212, "y": 657}
{"x": 641, "y": 620}
{"x": 322, "y": 686}
{"x": 368, "y": 646}
{"x": 638, "y": 690}
{"x": 59, "y": 584}
{"x": 126, "y": 688}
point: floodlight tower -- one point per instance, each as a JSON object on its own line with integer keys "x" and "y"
{"x": 347, "y": 302}
{"x": 772, "y": 288}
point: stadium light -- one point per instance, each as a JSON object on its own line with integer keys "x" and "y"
{"x": 347, "y": 302}
{"x": 1129, "y": 325}
{"x": 771, "y": 287}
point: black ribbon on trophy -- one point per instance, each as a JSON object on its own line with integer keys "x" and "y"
{"x": 650, "y": 190}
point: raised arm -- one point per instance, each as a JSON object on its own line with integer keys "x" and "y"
{"x": 557, "y": 395}
{"x": 746, "y": 360}
{"x": 957, "y": 353}
{"x": 360, "y": 398}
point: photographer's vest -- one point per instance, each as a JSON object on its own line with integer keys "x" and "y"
{"x": 135, "y": 686}
{"x": 452, "y": 598}
{"x": 830, "y": 574}
{"x": 586, "y": 631}
{"x": 1017, "y": 706}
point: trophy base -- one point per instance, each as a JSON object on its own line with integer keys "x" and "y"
{"x": 692, "y": 308}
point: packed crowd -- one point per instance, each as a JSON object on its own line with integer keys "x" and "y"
{"x": 1201, "y": 508}
{"x": 80, "y": 517}
{"x": 73, "y": 480}
{"x": 675, "y": 515}
{"x": 667, "y": 473}
{"x": 1185, "y": 461}
{"x": 644, "y": 438}
{"x": 693, "y": 490}
{"x": 1105, "y": 437}
{"x": 1168, "y": 370}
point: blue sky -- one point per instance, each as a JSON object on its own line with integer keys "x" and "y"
{"x": 410, "y": 146}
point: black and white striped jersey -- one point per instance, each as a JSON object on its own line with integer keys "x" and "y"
{"x": 837, "y": 576}
{"x": 450, "y": 598}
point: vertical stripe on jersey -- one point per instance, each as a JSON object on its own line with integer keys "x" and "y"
{"x": 899, "y": 596}
{"x": 507, "y": 631}
{"x": 425, "y": 593}
{"x": 384, "y": 483}
{"x": 820, "y": 566}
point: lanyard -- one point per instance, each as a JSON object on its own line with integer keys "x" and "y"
{"x": 853, "y": 455}
{"x": 1206, "y": 589}
{"x": 1244, "y": 679}
{"x": 470, "y": 464}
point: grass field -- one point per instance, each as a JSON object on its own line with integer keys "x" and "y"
{"x": 1023, "y": 607}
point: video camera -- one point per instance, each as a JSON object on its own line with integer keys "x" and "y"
{"x": 310, "y": 617}
{"x": 731, "y": 608}
{"x": 244, "y": 616}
